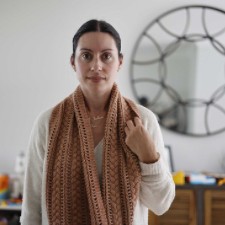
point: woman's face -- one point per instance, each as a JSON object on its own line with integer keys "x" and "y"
{"x": 96, "y": 62}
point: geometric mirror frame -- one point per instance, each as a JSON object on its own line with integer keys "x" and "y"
{"x": 178, "y": 69}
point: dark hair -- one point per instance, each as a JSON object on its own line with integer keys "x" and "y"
{"x": 97, "y": 26}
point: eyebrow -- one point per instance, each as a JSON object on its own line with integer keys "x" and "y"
{"x": 87, "y": 49}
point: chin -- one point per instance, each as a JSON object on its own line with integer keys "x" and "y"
{"x": 99, "y": 87}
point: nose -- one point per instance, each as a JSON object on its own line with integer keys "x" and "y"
{"x": 96, "y": 66}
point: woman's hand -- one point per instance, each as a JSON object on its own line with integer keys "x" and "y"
{"x": 140, "y": 141}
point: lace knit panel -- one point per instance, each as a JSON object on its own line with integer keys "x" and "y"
{"x": 73, "y": 194}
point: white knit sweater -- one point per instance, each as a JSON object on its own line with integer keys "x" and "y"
{"x": 157, "y": 189}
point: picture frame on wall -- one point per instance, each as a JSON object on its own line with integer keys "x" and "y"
{"x": 169, "y": 158}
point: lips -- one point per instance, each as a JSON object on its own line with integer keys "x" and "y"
{"x": 96, "y": 78}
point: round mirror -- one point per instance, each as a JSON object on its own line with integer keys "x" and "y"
{"x": 178, "y": 70}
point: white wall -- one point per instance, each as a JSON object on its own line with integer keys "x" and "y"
{"x": 35, "y": 74}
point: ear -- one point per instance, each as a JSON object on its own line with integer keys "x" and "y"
{"x": 120, "y": 62}
{"x": 72, "y": 63}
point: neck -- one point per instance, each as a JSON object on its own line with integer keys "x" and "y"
{"x": 97, "y": 103}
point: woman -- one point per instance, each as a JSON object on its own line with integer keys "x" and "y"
{"x": 96, "y": 157}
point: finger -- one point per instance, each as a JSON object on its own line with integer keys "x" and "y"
{"x": 130, "y": 124}
{"x": 137, "y": 121}
{"x": 126, "y": 130}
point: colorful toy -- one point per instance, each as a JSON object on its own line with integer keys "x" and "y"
{"x": 198, "y": 178}
{"x": 3, "y": 220}
{"x": 179, "y": 178}
{"x": 221, "y": 182}
{"x": 11, "y": 202}
{"x": 4, "y": 186}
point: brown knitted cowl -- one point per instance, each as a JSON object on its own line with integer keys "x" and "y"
{"x": 73, "y": 193}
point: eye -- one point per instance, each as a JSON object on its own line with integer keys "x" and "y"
{"x": 86, "y": 56}
{"x": 106, "y": 56}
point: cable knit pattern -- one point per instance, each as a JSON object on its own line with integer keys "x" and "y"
{"x": 156, "y": 190}
{"x": 66, "y": 201}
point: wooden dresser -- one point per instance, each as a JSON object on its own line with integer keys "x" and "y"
{"x": 194, "y": 205}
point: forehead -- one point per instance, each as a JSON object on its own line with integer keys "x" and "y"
{"x": 96, "y": 41}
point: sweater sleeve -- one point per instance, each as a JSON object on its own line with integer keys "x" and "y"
{"x": 157, "y": 189}
{"x": 31, "y": 204}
